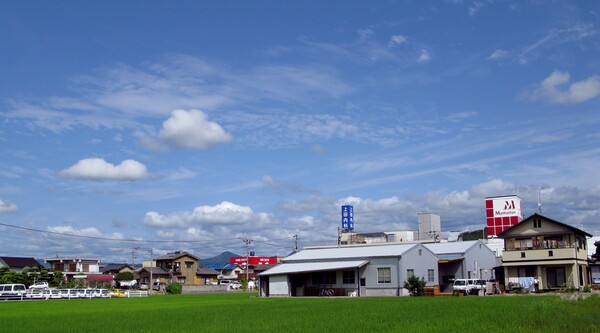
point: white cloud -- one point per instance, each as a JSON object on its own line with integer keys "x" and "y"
{"x": 557, "y": 89}
{"x": 498, "y": 54}
{"x": 188, "y": 129}
{"x": 425, "y": 56}
{"x": 475, "y": 8}
{"x": 99, "y": 169}
{"x": 397, "y": 40}
{"x": 225, "y": 213}
{"x": 365, "y": 34}
{"x": 7, "y": 206}
{"x": 85, "y": 232}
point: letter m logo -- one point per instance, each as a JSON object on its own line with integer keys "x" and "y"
{"x": 509, "y": 205}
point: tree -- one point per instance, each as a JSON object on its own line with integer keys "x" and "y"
{"x": 57, "y": 278}
{"x": 415, "y": 286}
{"x": 124, "y": 276}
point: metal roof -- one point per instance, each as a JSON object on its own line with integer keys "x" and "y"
{"x": 290, "y": 268}
{"x": 450, "y": 247}
{"x": 226, "y": 267}
{"x": 350, "y": 252}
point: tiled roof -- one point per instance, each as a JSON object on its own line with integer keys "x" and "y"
{"x": 19, "y": 262}
{"x": 207, "y": 271}
{"x": 175, "y": 255}
{"x": 114, "y": 267}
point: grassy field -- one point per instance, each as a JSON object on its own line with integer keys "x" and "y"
{"x": 239, "y": 312}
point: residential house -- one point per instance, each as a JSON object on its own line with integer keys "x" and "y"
{"x": 16, "y": 264}
{"x": 114, "y": 269}
{"x": 227, "y": 271}
{"x": 542, "y": 251}
{"x": 149, "y": 275}
{"x": 181, "y": 267}
{"x": 75, "y": 267}
{"x": 207, "y": 276}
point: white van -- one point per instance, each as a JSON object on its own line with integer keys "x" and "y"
{"x": 13, "y": 289}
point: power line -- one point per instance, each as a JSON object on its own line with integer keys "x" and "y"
{"x": 109, "y": 239}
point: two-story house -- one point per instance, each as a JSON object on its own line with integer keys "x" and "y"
{"x": 549, "y": 253}
{"x": 181, "y": 267}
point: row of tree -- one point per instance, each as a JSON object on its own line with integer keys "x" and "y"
{"x": 30, "y": 276}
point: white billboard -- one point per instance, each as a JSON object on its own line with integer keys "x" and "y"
{"x": 506, "y": 206}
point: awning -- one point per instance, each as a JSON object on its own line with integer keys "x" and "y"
{"x": 307, "y": 267}
{"x": 98, "y": 277}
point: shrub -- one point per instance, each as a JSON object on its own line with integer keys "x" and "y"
{"x": 415, "y": 286}
{"x": 174, "y": 288}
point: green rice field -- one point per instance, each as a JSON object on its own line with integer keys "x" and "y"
{"x": 242, "y": 312}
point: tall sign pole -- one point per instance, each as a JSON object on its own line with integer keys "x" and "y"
{"x": 247, "y": 241}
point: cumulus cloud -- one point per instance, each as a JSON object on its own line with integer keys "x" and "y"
{"x": 98, "y": 169}
{"x": 189, "y": 129}
{"x": 225, "y": 213}
{"x": 557, "y": 89}
{"x": 7, "y": 206}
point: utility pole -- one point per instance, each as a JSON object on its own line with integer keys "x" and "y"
{"x": 133, "y": 256}
{"x": 247, "y": 241}
{"x": 151, "y": 284}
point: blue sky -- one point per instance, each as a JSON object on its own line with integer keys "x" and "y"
{"x": 188, "y": 125}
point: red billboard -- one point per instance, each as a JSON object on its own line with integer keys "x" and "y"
{"x": 253, "y": 260}
{"x": 502, "y": 213}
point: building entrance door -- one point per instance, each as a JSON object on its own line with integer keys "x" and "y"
{"x": 555, "y": 277}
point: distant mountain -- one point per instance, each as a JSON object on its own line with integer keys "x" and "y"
{"x": 222, "y": 258}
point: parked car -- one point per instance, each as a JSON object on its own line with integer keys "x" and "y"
{"x": 12, "y": 289}
{"x": 118, "y": 293}
{"x": 158, "y": 286}
{"x": 235, "y": 285}
{"x": 231, "y": 284}
{"x": 143, "y": 286}
{"x": 468, "y": 286}
{"x": 39, "y": 285}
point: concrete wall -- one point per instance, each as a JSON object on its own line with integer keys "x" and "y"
{"x": 202, "y": 289}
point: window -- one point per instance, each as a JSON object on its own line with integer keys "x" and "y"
{"x": 189, "y": 264}
{"x": 522, "y": 254}
{"x": 537, "y": 223}
{"x": 384, "y": 275}
{"x": 363, "y": 282}
{"x": 348, "y": 277}
{"x": 410, "y": 273}
{"x": 550, "y": 253}
{"x": 319, "y": 278}
{"x": 430, "y": 275}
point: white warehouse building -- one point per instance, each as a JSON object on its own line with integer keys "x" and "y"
{"x": 371, "y": 270}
